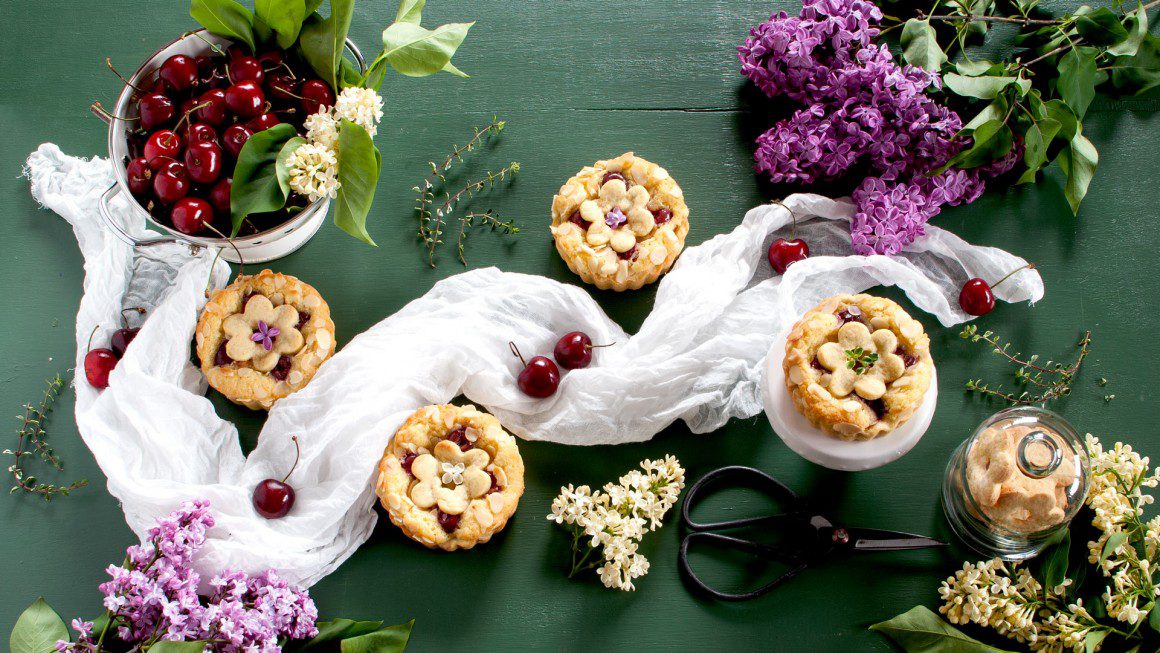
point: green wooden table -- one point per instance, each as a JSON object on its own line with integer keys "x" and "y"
{"x": 576, "y": 82}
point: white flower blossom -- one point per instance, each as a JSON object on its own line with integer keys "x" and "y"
{"x": 614, "y": 520}
{"x": 452, "y": 473}
{"x": 313, "y": 171}
{"x": 362, "y": 106}
{"x": 322, "y": 129}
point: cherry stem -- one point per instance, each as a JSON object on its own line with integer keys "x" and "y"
{"x": 599, "y": 346}
{"x": 241, "y": 261}
{"x": 109, "y": 63}
{"x": 283, "y": 64}
{"x": 137, "y": 309}
{"x": 1029, "y": 266}
{"x": 297, "y": 456}
{"x": 792, "y": 215}
{"x": 89, "y": 347}
{"x": 516, "y": 351}
{"x": 213, "y": 46}
{"x": 99, "y": 108}
{"x": 190, "y": 113}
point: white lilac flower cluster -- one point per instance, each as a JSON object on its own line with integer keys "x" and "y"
{"x": 313, "y": 166}
{"x": 1012, "y": 602}
{"x": 607, "y": 526}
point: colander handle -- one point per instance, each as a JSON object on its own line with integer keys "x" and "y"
{"x": 115, "y": 227}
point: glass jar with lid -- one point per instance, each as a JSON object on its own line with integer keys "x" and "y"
{"x": 1016, "y": 481}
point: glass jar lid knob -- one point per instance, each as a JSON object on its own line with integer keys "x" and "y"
{"x": 1038, "y": 455}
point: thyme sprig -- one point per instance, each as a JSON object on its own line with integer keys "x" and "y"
{"x": 1047, "y": 381}
{"x": 432, "y": 217}
{"x": 860, "y": 360}
{"x": 32, "y": 440}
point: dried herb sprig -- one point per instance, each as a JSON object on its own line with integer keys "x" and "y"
{"x": 1050, "y": 380}
{"x": 432, "y": 217}
{"x": 32, "y": 440}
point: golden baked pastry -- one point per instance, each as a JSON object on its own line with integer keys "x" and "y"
{"x": 621, "y": 223}
{"x": 857, "y": 366}
{"x": 451, "y": 477}
{"x": 262, "y": 337}
{"x": 1008, "y": 495}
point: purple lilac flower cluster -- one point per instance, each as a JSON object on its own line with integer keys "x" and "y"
{"x": 154, "y": 596}
{"x": 860, "y": 107}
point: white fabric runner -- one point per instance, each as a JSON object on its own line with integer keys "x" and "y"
{"x": 697, "y": 357}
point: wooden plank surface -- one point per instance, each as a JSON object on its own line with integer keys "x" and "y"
{"x": 576, "y": 81}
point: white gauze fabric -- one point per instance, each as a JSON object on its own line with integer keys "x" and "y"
{"x": 698, "y": 357}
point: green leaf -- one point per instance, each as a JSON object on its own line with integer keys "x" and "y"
{"x": 1093, "y": 639}
{"x": 281, "y": 169}
{"x": 1138, "y": 20}
{"x": 1154, "y": 617}
{"x": 920, "y": 45}
{"x": 256, "y": 186}
{"x": 322, "y": 40}
{"x": 1139, "y": 72}
{"x": 991, "y": 140}
{"x": 1055, "y": 561}
{"x": 1101, "y": 27}
{"x": 392, "y": 639}
{"x": 332, "y": 631}
{"x": 921, "y": 631}
{"x": 973, "y": 68}
{"x": 1078, "y": 160}
{"x": 417, "y": 52}
{"x": 166, "y": 646}
{"x": 1061, "y": 113}
{"x": 285, "y": 17}
{"x": 348, "y": 73}
{"x": 993, "y": 111}
{"x": 1037, "y": 139}
{"x": 410, "y": 11}
{"x": 358, "y": 174}
{"x": 225, "y": 18}
{"x": 986, "y": 88}
{"x": 1077, "y": 78}
{"x": 37, "y": 630}
{"x": 312, "y": 6}
{"x": 1114, "y": 541}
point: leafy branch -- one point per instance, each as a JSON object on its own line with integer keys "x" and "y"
{"x": 32, "y": 440}
{"x": 1051, "y": 380}
{"x": 432, "y": 217}
{"x": 1038, "y": 99}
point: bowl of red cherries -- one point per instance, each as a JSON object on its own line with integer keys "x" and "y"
{"x": 177, "y": 129}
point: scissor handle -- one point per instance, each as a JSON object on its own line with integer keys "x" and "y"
{"x": 754, "y": 477}
{"x": 743, "y": 545}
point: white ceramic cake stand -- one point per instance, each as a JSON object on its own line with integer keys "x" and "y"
{"x": 829, "y": 451}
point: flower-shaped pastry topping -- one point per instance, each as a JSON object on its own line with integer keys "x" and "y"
{"x": 449, "y": 477}
{"x": 861, "y": 361}
{"x": 618, "y": 216}
{"x": 262, "y": 333}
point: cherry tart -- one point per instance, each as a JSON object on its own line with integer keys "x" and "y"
{"x": 262, "y": 337}
{"x": 621, "y": 223}
{"x": 451, "y": 477}
{"x": 857, "y": 366}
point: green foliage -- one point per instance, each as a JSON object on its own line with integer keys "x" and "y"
{"x": 225, "y": 18}
{"x": 32, "y": 440}
{"x": 413, "y": 50}
{"x": 284, "y": 17}
{"x": 257, "y": 185}
{"x": 1063, "y": 60}
{"x": 322, "y": 40}
{"x": 1038, "y": 382}
{"x": 166, "y": 646}
{"x": 37, "y": 630}
{"x": 860, "y": 360}
{"x": 356, "y": 637}
{"x": 358, "y": 174}
{"x": 919, "y": 630}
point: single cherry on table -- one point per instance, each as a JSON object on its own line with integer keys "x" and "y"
{"x": 540, "y": 377}
{"x": 272, "y": 498}
{"x": 573, "y": 351}
{"x": 785, "y": 252}
{"x": 976, "y": 298}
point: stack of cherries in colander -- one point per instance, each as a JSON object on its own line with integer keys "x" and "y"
{"x": 193, "y": 117}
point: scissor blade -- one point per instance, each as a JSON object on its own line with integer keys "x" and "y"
{"x": 872, "y": 539}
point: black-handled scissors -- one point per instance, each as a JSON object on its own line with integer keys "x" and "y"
{"x": 811, "y": 537}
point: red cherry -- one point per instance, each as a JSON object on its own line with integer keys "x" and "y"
{"x": 200, "y": 132}
{"x": 155, "y": 109}
{"x": 246, "y": 68}
{"x": 458, "y": 437}
{"x": 235, "y": 137}
{"x": 171, "y": 183}
{"x": 282, "y": 86}
{"x": 98, "y": 364}
{"x": 784, "y": 252}
{"x": 179, "y": 71}
{"x": 191, "y": 214}
{"x": 204, "y": 65}
{"x": 121, "y": 339}
{"x": 315, "y": 95}
{"x": 609, "y": 176}
{"x": 214, "y": 109}
{"x": 157, "y": 163}
{"x": 540, "y": 377}
{"x": 662, "y": 215}
{"x": 271, "y": 59}
{"x": 976, "y": 297}
{"x": 272, "y": 498}
{"x": 236, "y": 52}
{"x": 447, "y": 522}
{"x": 408, "y": 460}
{"x": 140, "y": 176}
{"x": 574, "y": 350}
{"x": 245, "y": 99}
{"x": 204, "y": 162}
{"x": 263, "y": 122}
{"x": 219, "y": 195}
{"x": 163, "y": 142}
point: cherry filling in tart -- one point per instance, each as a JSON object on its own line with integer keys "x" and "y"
{"x": 451, "y": 477}
{"x": 263, "y": 337}
{"x": 621, "y": 223}
{"x": 857, "y": 366}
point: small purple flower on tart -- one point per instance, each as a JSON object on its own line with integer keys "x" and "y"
{"x": 615, "y": 218}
